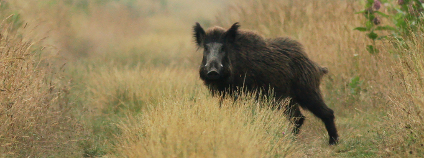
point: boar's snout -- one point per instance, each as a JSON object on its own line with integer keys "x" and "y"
{"x": 213, "y": 74}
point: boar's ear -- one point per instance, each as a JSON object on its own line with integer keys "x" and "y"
{"x": 199, "y": 34}
{"x": 230, "y": 35}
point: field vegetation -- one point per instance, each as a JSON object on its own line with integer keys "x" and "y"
{"x": 119, "y": 78}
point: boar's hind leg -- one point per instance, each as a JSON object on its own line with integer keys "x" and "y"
{"x": 292, "y": 111}
{"x": 312, "y": 100}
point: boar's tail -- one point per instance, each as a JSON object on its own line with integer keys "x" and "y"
{"x": 323, "y": 70}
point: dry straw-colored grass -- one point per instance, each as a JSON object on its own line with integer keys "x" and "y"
{"x": 180, "y": 119}
{"x": 33, "y": 112}
{"x": 140, "y": 96}
{"x": 167, "y": 113}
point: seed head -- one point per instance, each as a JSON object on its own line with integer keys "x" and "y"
{"x": 376, "y": 21}
{"x": 377, "y": 5}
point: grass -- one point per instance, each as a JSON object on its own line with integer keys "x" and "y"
{"x": 35, "y": 114}
{"x": 192, "y": 127}
{"x": 134, "y": 90}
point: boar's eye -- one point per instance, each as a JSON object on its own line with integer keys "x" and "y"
{"x": 222, "y": 49}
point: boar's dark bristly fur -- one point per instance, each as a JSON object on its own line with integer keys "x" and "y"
{"x": 236, "y": 59}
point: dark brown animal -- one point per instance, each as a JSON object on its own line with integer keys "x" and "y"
{"x": 236, "y": 59}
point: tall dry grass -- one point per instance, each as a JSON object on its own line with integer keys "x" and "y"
{"x": 135, "y": 87}
{"x": 168, "y": 114}
{"x": 34, "y": 112}
{"x": 405, "y": 92}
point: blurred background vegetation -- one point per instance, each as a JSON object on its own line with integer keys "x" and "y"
{"x": 118, "y": 78}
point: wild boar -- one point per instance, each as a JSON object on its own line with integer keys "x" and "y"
{"x": 235, "y": 60}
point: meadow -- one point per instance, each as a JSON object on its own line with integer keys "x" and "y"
{"x": 119, "y": 78}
